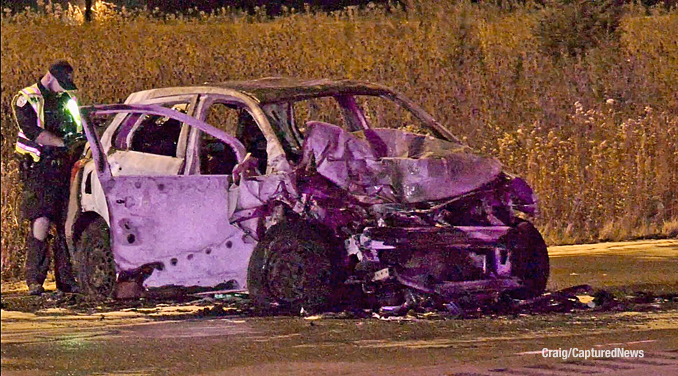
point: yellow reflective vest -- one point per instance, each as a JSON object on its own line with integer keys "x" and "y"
{"x": 34, "y": 97}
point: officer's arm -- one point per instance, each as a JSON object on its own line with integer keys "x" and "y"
{"x": 28, "y": 122}
{"x": 48, "y": 138}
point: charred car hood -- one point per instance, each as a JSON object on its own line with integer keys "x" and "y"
{"x": 390, "y": 165}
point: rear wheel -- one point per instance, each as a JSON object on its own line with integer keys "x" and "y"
{"x": 94, "y": 260}
{"x": 291, "y": 268}
{"x": 530, "y": 260}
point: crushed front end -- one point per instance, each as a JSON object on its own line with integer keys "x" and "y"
{"x": 423, "y": 215}
{"x": 472, "y": 245}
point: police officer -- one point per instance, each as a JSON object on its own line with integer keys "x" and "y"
{"x": 49, "y": 122}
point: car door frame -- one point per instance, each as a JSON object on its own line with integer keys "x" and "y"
{"x": 277, "y": 159}
{"x": 90, "y": 191}
{"x": 191, "y": 99}
{"x": 221, "y": 253}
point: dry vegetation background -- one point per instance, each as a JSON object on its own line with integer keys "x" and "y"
{"x": 580, "y": 99}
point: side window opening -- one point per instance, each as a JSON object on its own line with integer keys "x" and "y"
{"x": 158, "y": 134}
{"x": 223, "y": 116}
{"x": 216, "y": 156}
{"x": 123, "y": 131}
{"x": 381, "y": 112}
{"x": 252, "y": 138}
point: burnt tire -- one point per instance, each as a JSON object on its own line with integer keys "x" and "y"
{"x": 530, "y": 260}
{"x": 291, "y": 268}
{"x": 95, "y": 266}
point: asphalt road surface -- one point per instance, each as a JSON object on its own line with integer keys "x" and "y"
{"x": 168, "y": 340}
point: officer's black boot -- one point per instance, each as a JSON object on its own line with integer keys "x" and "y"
{"x": 37, "y": 264}
{"x": 63, "y": 271}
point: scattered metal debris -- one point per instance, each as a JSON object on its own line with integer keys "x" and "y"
{"x": 580, "y": 298}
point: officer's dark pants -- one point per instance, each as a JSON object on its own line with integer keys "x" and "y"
{"x": 45, "y": 194}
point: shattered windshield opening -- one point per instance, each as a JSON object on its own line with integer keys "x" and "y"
{"x": 383, "y": 112}
{"x": 288, "y": 120}
{"x": 351, "y": 112}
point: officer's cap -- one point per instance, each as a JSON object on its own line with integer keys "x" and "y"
{"x": 63, "y": 72}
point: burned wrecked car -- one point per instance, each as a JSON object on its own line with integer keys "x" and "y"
{"x": 299, "y": 192}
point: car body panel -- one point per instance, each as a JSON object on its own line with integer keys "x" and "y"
{"x": 164, "y": 219}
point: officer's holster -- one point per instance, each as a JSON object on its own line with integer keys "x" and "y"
{"x": 25, "y": 165}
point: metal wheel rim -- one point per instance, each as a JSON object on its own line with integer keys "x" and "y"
{"x": 102, "y": 270}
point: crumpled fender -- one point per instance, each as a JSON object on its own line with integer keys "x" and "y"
{"x": 522, "y": 196}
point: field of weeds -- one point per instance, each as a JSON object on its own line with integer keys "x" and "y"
{"x": 588, "y": 114}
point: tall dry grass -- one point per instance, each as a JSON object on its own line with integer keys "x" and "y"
{"x": 595, "y": 134}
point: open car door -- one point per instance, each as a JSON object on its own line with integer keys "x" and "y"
{"x": 178, "y": 224}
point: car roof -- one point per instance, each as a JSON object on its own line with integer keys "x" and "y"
{"x": 281, "y": 89}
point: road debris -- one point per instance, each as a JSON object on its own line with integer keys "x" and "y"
{"x": 582, "y": 298}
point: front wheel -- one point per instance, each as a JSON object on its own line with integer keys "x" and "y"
{"x": 530, "y": 260}
{"x": 291, "y": 268}
{"x": 95, "y": 266}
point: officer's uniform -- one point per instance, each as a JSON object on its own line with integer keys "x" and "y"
{"x": 45, "y": 173}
